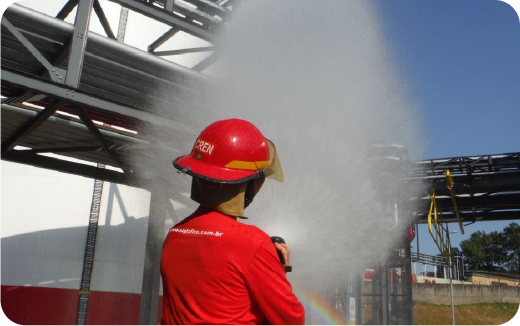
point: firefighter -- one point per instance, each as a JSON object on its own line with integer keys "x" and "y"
{"x": 216, "y": 270}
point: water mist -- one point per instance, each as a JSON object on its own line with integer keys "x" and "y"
{"x": 317, "y": 79}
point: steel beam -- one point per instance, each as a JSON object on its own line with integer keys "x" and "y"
{"x": 88, "y": 171}
{"x": 30, "y": 126}
{"x": 67, "y": 149}
{"x": 227, "y": 4}
{"x": 477, "y": 183}
{"x": 166, "y": 18}
{"x": 17, "y": 99}
{"x": 112, "y": 147}
{"x": 163, "y": 38}
{"x": 501, "y": 215}
{"x": 79, "y": 97}
{"x": 496, "y": 201}
{"x": 159, "y": 211}
{"x": 206, "y": 63}
{"x": 208, "y": 15}
{"x": 208, "y": 4}
{"x": 67, "y": 9}
{"x": 466, "y": 165}
{"x": 194, "y": 14}
{"x": 103, "y": 19}
{"x": 79, "y": 41}
{"x": 184, "y": 51}
{"x": 99, "y": 136}
{"x": 55, "y": 73}
{"x": 57, "y": 60}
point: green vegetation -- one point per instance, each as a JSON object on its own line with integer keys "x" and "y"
{"x": 494, "y": 251}
{"x": 495, "y": 313}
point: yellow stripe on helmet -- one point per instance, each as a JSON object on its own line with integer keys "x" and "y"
{"x": 245, "y": 165}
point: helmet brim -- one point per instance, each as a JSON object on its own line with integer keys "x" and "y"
{"x": 191, "y": 166}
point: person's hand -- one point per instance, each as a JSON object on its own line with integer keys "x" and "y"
{"x": 284, "y": 250}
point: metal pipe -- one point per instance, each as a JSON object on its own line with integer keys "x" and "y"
{"x": 59, "y": 31}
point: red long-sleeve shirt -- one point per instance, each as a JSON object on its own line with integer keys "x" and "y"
{"x": 216, "y": 270}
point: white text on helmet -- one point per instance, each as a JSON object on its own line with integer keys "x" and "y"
{"x": 203, "y": 146}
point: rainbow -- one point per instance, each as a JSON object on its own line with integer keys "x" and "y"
{"x": 321, "y": 310}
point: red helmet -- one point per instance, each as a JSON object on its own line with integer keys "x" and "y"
{"x": 231, "y": 151}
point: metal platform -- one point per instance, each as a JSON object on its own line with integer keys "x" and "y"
{"x": 62, "y": 133}
{"x": 487, "y": 187}
{"x": 112, "y": 83}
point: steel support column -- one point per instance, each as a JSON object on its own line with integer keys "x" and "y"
{"x": 385, "y": 292}
{"x": 169, "y": 5}
{"x": 159, "y": 211}
{"x": 406, "y": 285}
{"x": 79, "y": 41}
{"x": 376, "y": 297}
{"x": 358, "y": 290}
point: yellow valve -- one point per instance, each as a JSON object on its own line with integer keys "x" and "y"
{"x": 449, "y": 185}
{"x": 433, "y": 208}
{"x": 438, "y": 233}
{"x": 449, "y": 180}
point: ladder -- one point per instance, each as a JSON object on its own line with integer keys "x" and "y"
{"x": 88, "y": 261}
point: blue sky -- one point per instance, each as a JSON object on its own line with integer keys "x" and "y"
{"x": 461, "y": 59}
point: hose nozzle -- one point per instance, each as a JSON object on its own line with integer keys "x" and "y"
{"x": 277, "y": 239}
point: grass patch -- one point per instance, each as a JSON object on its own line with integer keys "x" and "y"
{"x": 493, "y": 313}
